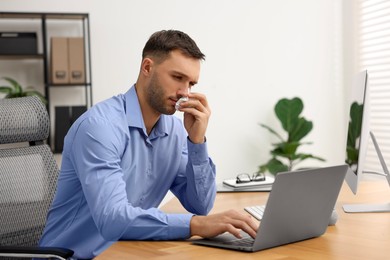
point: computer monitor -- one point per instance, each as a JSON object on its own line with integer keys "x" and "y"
{"x": 358, "y": 136}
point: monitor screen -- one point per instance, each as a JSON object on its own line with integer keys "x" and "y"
{"x": 358, "y": 136}
{"x": 358, "y": 129}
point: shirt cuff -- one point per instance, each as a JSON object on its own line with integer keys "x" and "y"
{"x": 197, "y": 152}
{"x": 179, "y": 226}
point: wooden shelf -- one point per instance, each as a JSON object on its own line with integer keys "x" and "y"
{"x": 21, "y": 57}
{"x": 69, "y": 85}
{"x": 62, "y": 16}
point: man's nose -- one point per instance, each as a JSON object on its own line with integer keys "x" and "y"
{"x": 183, "y": 92}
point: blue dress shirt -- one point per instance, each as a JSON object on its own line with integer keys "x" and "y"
{"x": 114, "y": 176}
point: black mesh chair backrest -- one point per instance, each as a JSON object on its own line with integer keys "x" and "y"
{"x": 28, "y": 171}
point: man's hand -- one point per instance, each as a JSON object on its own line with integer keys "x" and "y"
{"x": 196, "y": 116}
{"x": 229, "y": 221}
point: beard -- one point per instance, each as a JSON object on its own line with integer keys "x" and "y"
{"x": 155, "y": 96}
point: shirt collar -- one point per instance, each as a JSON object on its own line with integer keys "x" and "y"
{"x": 135, "y": 119}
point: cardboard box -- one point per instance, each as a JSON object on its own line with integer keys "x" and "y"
{"x": 59, "y": 60}
{"x": 76, "y": 60}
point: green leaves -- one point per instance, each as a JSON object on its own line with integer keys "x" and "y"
{"x": 273, "y": 166}
{"x": 16, "y": 90}
{"x": 288, "y": 112}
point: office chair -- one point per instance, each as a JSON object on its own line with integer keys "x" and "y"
{"x": 28, "y": 178}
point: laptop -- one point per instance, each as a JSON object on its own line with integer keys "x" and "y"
{"x": 299, "y": 207}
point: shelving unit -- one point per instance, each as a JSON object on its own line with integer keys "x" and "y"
{"x": 43, "y": 53}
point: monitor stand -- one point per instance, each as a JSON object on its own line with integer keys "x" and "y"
{"x": 368, "y": 208}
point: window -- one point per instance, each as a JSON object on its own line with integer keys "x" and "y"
{"x": 373, "y": 36}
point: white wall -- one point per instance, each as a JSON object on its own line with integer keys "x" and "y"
{"x": 257, "y": 51}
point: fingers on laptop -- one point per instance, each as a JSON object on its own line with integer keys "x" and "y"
{"x": 239, "y": 221}
{"x": 230, "y": 221}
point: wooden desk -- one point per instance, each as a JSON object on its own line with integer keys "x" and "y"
{"x": 355, "y": 236}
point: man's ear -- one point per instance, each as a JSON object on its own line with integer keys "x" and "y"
{"x": 147, "y": 66}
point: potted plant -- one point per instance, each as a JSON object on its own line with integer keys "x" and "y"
{"x": 285, "y": 155}
{"x": 15, "y": 90}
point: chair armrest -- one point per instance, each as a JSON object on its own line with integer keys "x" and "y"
{"x": 41, "y": 252}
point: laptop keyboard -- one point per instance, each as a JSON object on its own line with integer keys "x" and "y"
{"x": 229, "y": 239}
{"x": 242, "y": 242}
{"x": 256, "y": 211}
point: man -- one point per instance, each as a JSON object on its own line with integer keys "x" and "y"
{"x": 124, "y": 154}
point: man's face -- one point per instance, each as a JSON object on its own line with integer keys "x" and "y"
{"x": 170, "y": 81}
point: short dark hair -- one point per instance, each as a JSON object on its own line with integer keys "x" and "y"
{"x": 161, "y": 43}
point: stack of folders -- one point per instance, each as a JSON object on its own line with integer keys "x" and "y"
{"x": 231, "y": 185}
